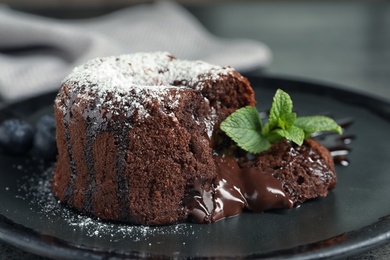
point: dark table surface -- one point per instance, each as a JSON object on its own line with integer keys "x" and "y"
{"x": 341, "y": 42}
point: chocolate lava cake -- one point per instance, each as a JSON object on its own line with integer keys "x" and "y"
{"x": 139, "y": 142}
{"x": 134, "y": 133}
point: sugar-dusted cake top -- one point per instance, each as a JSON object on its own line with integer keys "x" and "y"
{"x": 119, "y": 74}
{"x": 129, "y": 84}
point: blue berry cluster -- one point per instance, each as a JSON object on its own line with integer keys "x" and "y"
{"x": 18, "y": 137}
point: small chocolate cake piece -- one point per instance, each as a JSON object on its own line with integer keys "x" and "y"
{"x": 134, "y": 132}
{"x": 306, "y": 171}
{"x": 279, "y": 178}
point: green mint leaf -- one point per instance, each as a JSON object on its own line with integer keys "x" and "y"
{"x": 244, "y": 127}
{"x": 274, "y": 136}
{"x": 287, "y": 120}
{"x": 293, "y": 134}
{"x": 281, "y": 106}
{"x": 284, "y": 122}
{"x": 311, "y": 124}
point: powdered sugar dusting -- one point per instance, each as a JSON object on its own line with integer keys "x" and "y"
{"x": 119, "y": 74}
{"x": 38, "y": 188}
{"x": 127, "y": 84}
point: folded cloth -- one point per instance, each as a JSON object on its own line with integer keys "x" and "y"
{"x": 36, "y": 53}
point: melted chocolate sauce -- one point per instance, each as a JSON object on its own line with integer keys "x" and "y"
{"x": 336, "y": 144}
{"x": 238, "y": 188}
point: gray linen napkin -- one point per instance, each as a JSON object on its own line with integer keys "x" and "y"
{"x": 36, "y": 53}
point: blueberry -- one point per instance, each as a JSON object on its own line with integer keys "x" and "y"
{"x": 16, "y": 136}
{"x": 45, "y": 137}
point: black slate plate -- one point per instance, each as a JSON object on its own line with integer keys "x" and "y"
{"x": 353, "y": 218}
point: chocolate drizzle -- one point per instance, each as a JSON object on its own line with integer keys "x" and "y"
{"x": 69, "y": 191}
{"x": 338, "y": 146}
{"x": 122, "y": 141}
{"x": 70, "y": 187}
{"x": 97, "y": 120}
{"x": 91, "y": 136}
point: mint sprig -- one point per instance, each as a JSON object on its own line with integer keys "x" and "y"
{"x": 245, "y": 128}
